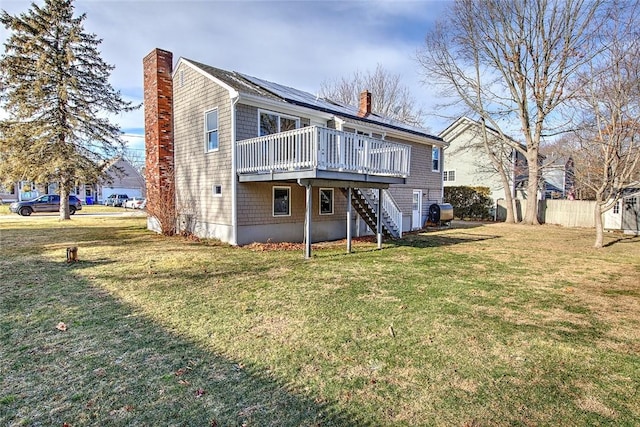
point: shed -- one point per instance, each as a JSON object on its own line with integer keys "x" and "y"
{"x": 625, "y": 214}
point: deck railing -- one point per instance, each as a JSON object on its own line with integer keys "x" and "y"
{"x": 389, "y": 206}
{"x": 321, "y": 148}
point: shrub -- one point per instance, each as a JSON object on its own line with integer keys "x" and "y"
{"x": 469, "y": 202}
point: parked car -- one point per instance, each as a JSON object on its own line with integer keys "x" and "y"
{"x": 134, "y": 203}
{"x": 116, "y": 200}
{"x": 46, "y": 203}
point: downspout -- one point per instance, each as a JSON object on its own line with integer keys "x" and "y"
{"x": 235, "y": 97}
{"x": 443, "y": 148}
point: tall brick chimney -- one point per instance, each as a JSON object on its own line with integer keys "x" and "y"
{"x": 365, "y": 103}
{"x": 158, "y": 135}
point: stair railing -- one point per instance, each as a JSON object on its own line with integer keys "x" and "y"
{"x": 391, "y": 212}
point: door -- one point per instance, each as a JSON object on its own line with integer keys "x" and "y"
{"x": 631, "y": 214}
{"x": 416, "y": 221}
{"x": 45, "y": 204}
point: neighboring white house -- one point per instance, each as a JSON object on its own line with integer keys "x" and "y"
{"x": 122, "y": 178}
{"x": 467, "y": 163}
{"x": 25, "y": 190}
{"x": 557, "y": 177}
{"x": 9, "y": 194}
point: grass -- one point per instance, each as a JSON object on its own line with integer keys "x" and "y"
{"x": 488, "y": 325}
{"x": 86, "y": 209}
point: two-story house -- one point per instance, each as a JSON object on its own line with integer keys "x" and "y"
{"x": 468, "y": 163}
{"x": 255, "y": 161}
{"x": 558, "y": 177}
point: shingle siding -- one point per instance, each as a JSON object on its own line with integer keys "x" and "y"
{"x": 246, "y": 122}
{"x": 197, "y": 171}
{"x": 255, "y": 204}
{"x": 257, "y": 223}
{"x": 421, "y": 178}
{"x": 472, "y": 166}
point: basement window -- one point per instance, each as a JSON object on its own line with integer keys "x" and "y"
{"x": 281, "y": 201}
{"x": 326, "y": 201}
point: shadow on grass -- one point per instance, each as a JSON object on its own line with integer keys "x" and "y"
{"x": 623, "y": 239}
{"x": 114, "y": 366}
{"x": 426, "y": 240}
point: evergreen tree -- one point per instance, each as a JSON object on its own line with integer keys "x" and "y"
{"x": 56, "y": 91}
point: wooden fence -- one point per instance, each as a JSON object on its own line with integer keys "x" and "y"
{"x": 568, "y": 213}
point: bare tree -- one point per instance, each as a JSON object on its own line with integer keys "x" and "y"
{"x": 510, "y": 63}
{"x": 390, "y": 98}
{"x": 136, "y": 158}
{"x": 607, "y": 115}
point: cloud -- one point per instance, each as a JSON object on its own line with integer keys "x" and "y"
{"x": 295, "y": 43}
{"x": 134, "y": 141}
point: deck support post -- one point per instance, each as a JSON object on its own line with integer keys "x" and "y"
{"x": 307, "y": 223}
{"x": 349, "y": 220}
{"x": 379, "y": 217}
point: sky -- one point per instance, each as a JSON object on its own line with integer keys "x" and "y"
{"x": 295, "y": 43}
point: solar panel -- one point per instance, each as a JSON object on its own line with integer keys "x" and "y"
{"x": 296, "y": 96}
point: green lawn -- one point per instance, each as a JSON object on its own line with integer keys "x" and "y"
{"x": 477, "y": 326}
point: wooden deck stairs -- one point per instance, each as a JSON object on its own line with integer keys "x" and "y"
{"x": 364, "y": 201}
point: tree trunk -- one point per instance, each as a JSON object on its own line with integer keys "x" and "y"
{"x": 531, "y": 213}
{"x": 64, "y": 201}
{"x": 508, "y": 199}
{"x": 597, "y": 212}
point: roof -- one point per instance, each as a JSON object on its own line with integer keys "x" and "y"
{"x": 256, "y": 87}
{"x": 120, "y": 170}
{"x": 466, "y": 122}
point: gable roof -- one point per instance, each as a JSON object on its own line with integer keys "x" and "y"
{"x": 463, "y": 123}
{"x": 120, "y": 170}
{"x": 251, "y": 86}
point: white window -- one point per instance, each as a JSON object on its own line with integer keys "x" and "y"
{"x": 435, "y": 159}
{"x": 449, "y": 175}
{"x": 326, "y": 201}
{"x": 281, "y": 201}
{"x": 616, "y": 207}
{"x": 271, "y": 122}
{"x": 211, "y": 130}
{"x": 217, "y": 190}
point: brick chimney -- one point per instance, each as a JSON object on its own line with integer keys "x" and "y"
{"x": 365, "y": 103}
{"x": 158, "y": 132}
